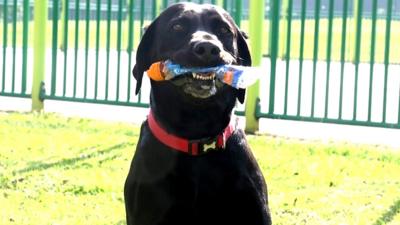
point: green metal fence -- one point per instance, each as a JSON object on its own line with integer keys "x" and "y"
{"x": 80, "y": 42}
{"x": 340, "y": 66}
{"x": 369, "y": 89}
{"x": 14, "y": 57}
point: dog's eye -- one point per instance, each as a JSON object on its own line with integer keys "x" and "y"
{"x": 177, "y": 27}
{"x": 223, "y": 30}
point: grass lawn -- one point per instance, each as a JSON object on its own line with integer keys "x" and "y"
{"x": 57, "y": 170}
{"x": 309, "y": 36}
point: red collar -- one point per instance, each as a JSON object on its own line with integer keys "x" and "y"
{"x": 192, "y": 147}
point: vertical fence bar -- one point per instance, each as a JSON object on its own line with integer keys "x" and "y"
{"x": 315, "y": 54}
{"x": 386, "y": 60}
{"x": 5, "y": 30}
{"x": 165, "y": 4}
{"x": 54, "y": 48}
{"x": 130, "y": 45}
{"x": 62, "y": 17}
{"x": 25, "y": 29}
{"x": 283, "y": 27}
{"x": 328, "y": 56}
{"x": 343, "y": 54}
{"x": 141, "y": 34}
{"x": 86, "y": 47}
{"x": 39, "y": 54}
{"x": 97, "y": 48}
{"x": 256, "y": 28}
{"x": 119, "y": 32}
{"x": 154, "y": 9}
{"x": 141, "y": 17}
{"x": 238, "y": 12}
{"x": 108, "y": 36}
{"x": 357, "y": 53}
{"x": 372, "y": 56}
{"x": 14, "y": 45}
{"x": 288, "y": 40}
{"x": 77, "y": 15}
{"x": 65, "y": 44}
{"x": 274, "y": 53}
{"x": 303, "y": 18}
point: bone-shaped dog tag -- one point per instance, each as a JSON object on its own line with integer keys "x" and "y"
{"x": 208, "y": 147}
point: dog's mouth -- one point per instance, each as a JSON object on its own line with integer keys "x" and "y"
{"x": 199, "y": 85}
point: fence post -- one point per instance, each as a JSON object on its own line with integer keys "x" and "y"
{"x": 219, "y": 2}
{"x": 256, "y": 29}
{"x": 39, "y": 53}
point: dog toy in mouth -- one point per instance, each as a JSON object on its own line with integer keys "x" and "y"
{"x": 235, "y": 76}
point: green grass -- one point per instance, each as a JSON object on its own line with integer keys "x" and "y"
{"x": 309, "y": 35}
{"x": 57, "y": 170}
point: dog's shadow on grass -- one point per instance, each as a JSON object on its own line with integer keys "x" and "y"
{"x": 39, "y": 166}
{"x": 389, "y": 214}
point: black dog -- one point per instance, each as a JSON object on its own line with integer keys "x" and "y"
{"x": 191, "y": 167}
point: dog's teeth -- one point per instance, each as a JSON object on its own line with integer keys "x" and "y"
{"x": 198, "y": 76}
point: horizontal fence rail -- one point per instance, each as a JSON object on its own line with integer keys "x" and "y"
{"x": 326, "y": 60}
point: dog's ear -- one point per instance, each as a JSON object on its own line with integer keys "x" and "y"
{"x": 144, "y": 54}
{"x": 244, "y": 58}
{"x": 243, "y": 49}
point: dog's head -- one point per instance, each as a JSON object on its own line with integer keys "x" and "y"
{"x": 193, "y": 35}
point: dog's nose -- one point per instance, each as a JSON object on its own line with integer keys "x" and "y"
{"x": 206, "y": 51}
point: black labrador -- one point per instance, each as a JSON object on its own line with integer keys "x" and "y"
{"x": 191, "y": 165}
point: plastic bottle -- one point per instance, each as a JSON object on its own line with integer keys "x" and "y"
{"x": 233, "y": 75}
{"x": 238, "y": 76}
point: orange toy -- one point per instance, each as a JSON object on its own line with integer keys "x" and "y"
{"x": 155, "y": 71}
